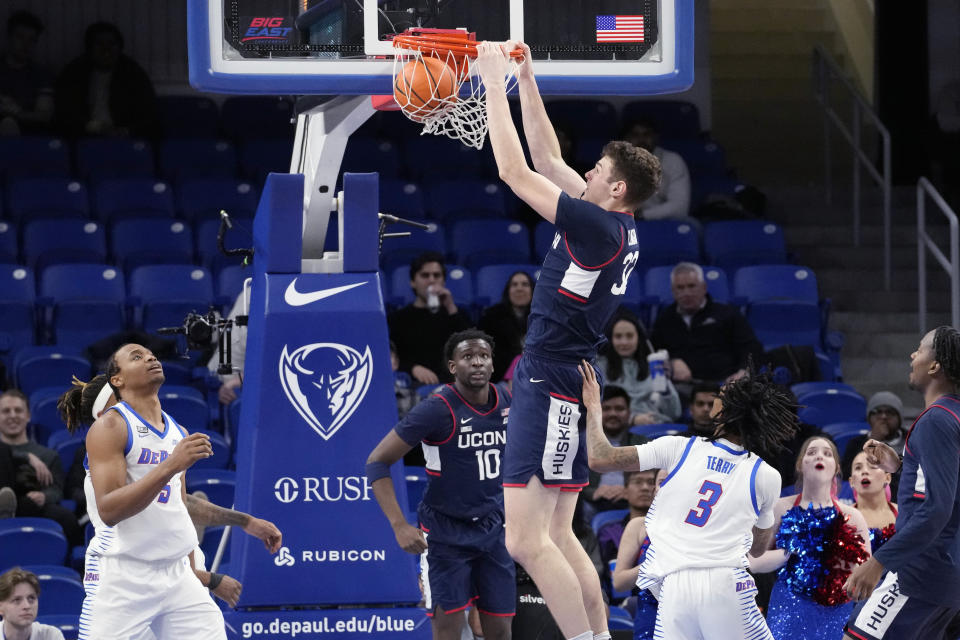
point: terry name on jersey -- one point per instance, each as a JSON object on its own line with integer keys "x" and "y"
{"x": 717, "y": 464}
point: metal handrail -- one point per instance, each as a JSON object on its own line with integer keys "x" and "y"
{"x": 925, "y": 242}
{"x": 825, "y": 72}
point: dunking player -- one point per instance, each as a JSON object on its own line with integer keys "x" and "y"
{"x": 461, "y": 428}
{"x": 84, "y": 402}
{"x": 920, "y": 593}
{"x": 582, "y": 282}
{"x": 139, "y": 572}
{"x": 714, "y": 506}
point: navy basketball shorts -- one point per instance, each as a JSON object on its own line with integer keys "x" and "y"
{"x": 466, "y": 562}
{"x": 545, "y": 430}
{"x": 889, "y": 614}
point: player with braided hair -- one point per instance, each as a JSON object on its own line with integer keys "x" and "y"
{"x": 920, "y": 593}
{"x": 715, "y": 505}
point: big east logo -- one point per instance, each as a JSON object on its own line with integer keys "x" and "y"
{"x": 267, "y": 29}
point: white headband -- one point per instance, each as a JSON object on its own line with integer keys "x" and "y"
{"x": 100, "y": 404}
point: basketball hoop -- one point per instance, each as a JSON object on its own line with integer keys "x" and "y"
{"x": 435, "y": 83}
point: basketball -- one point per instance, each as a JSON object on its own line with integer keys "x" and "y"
{"x": 422, "y": 87}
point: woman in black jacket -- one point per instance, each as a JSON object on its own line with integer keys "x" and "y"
{"x": 506, "y": 321}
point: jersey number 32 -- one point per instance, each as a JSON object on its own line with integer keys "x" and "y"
{"x": 629, "y": 262}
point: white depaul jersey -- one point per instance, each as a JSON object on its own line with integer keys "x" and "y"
{"x": 163, "y": 530}
{"x": 704, "y": 513}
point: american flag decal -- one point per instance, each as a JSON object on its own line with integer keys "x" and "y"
{"x": 619, "y": 28}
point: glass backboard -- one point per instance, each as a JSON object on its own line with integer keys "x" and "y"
{"x": 342, "y": 47}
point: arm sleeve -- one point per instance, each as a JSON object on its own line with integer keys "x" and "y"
{"x": 674, "y": 199}
{"x": 768, "y": 492}
{"x": 936, "y": 446}
{"x": 429, "y": 421}
{"x": 662, "y": 453}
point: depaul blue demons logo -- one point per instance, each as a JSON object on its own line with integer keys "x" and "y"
{"x": 325, "y": 382}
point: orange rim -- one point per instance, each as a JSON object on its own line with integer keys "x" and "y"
{"x": 459, "y": 46}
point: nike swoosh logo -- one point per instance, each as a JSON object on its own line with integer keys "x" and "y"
{"x": 535, "y": 381}
{"x": 296, "y": 299}
{"x": 465, "y": 420}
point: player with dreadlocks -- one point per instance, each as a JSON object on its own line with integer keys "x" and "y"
{"x": 715, "y": 505}
{"x": 920, "y": 593}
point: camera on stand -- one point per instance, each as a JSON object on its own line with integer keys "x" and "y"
{"x": 199, "y": 332}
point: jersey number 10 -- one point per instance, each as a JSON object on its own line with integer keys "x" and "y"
{"x": 489, "y": 463}
{"x": 699, "y": 515}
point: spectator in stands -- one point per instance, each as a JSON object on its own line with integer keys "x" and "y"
{"x": 607, "y": 490}
{"x": 26, "y": 89}
{"x": 623, "y": 361}
{"x": 885, "y": 416}
{"x": 39, "y": 474}
{"x": 672, "y": 198}
{"x": 701, "y": 402}
{"x": 421, "y": 328}
{"x": 8, "y": 480}
{"x": 19, "y": 602}
{"x": 104, "y": 92}
{"x": 506, "y": 321}
{"x": 639, "y": 488}
{"x": 707, "y": 340}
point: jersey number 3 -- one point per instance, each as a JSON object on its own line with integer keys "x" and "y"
{"x": 711, "y": 491}
{"x": 629, "y": 262}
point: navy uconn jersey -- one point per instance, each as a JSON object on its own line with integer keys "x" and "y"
{"x": 463, "y": 446}
{"x": 583, "y": 279}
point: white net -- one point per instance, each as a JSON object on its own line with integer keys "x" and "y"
{"x": 444, "y": 93}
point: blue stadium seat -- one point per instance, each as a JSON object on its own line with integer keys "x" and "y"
{"x": 17, "y": 298}
{"x": 9, "y": 246}
{"x": 33, "y": 157}
{"x": 543, "y": 235}
{"x": 656, "y": 430}
{"x": 582, "y": 117}
{"x": 843, "y": 432}
{"x": 400, "y": 293}
{"x": 203, "y": 199}
{"x": 703, "y": 158}
{"x": 398, "y": 252}
{"x": 133, "y": 198}
{"x": 440, "y": 158}
{"x": 35, "y": 198}
{"x": 31, "y": 541}
{"x": 140, "y": 241}
{"x": 35, "y": 367}
{"x": 482, "y": 242}
{"x": 69, "y": 624}
{"x": 416, "y": 486}
{"x": 66, "y": 445}
{"x": 740, "y": 243}
{"x": 492, "y": 279}
{"x": 365, "y": 155}
{"x": 262, "y": 156}
{"x": 783, "y": 304}
{"x": 206, "y": 243}
{"x": 402, "y": 198}
{"x": 230, "y": 282}
{"x": 44, "y": 416}
{"x": 218, "y": 484}
{"x": 620, "y": 619}
{"x": 673, "y": 118}
{"x": 221, "y": 450}
{"x": 86, "y": 302}
{"x": 61, "y": 595}
{"x": 449, "y": 200}
{"x": 104, "y": 158}
{"x": 248, "y": 117}
{"x": 47, "y": 242}
{"x": 168, "y": 293}
{"x": 774, "y": 282}
{"x": 460, "y": 283}
{"x": 191, "y": 158}
{"x": 188, "y": 116}
{"x": 187, "y": 406}
{"x": 53, "y": 570}
{"x": 821, "y": 408}
{"x": 657, "y": 284}
{"x": 666, "y": 242}
{"x": 803, "y": 388}
{"x": 617, "y": 596}
{"x": 704, "y": 186}
{"x": 602, "y": 518}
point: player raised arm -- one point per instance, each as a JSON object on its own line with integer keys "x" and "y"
{"x": 391, "y": 449}
{"x": 601, "y": 455}
{"x": 531, "y": 187}
{"x": 206, "y": 514}
{"x": 117, "y": 500}
{"x": 540, "y": 134}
